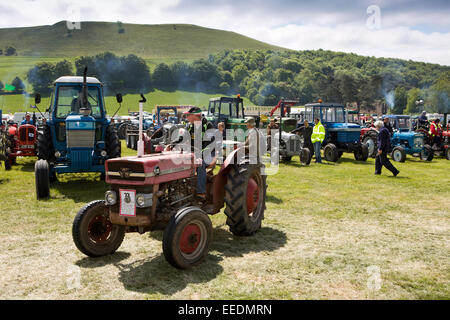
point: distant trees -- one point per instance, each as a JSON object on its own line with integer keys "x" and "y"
{"x": 43, "y": 74}
{"x": 10, "y": 51}
{"x": 117, "y": 73}
{"x": 266, "y": 76}
{"x": 414, "y": 95}
{"x": 400, "y": 100}
{"x": 18, "y": 84}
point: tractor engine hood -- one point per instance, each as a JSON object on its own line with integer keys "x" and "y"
{"x": 331, "y": 126}
{"x": 407, "y": 135}
{"x": 151, "y": 168}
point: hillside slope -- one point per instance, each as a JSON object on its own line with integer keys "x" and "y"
{"x": 148, "y": 41}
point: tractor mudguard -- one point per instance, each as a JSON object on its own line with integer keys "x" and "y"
{"x": 220, "y": 180}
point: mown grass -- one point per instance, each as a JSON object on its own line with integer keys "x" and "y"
{"x": 324, "y": 226}
{"x": 179, "y": 41}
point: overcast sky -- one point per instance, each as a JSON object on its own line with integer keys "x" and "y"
{"x": 416, "y": 30}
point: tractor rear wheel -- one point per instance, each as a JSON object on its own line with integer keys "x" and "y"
{"x": 45, "y": 149}
{"x": 427, "y": 153}
{"x": 122, "y": 130}
{"x": 42, "y": 179}
{"x": 112, "y": 142}
{"x": 330, "y": 153}
{"x": 187, "y": 238}
{"x": 399, "y": 154}
{"x": 305, "y": 156}
{"x": 245, "y": 198}
{"x": 7, "y": 163}
{"x": 93, "y": 233}
{"x": 361, "y": 153}
{"x": 371, "y": 140}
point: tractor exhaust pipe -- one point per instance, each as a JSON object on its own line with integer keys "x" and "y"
{"x": 141, "y": 120}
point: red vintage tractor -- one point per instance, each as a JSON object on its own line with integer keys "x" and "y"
{"x": 443, "y": 147}
{"x": 369, "y": 136}
{"x": 22, "y": 142}
{"x": 157, "y": 191}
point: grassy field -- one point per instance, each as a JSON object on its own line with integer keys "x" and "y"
{"x": 180, "y": 41}
{"x": 21, "y": 103}
{"x": 328, "y": 229}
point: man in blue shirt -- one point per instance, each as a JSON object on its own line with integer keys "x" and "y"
{"x": 27, "y": 120}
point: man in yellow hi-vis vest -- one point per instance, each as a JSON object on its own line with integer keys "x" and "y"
{"x": 317, "y": 137}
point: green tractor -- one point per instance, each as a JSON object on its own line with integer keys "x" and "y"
{"x": 230, "y": 111}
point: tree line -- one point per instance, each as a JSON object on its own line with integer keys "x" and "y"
{"x": 266, "y": 76}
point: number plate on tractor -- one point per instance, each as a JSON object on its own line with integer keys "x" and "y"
{"x": 127, "y": 203}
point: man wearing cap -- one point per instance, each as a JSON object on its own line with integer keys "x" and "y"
{"x": 27, "y": 120}
{"x": 253, "y": 142}
{"x": 273, "y": 125}
{"x": 199, "y": 124}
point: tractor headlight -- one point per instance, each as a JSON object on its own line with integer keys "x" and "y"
{"x": 140, "y": 200}
{"x": 110, "y": 197}
{"x": 144, "y": 200}
{"x": 57, "y": 154}
{"x": 103, "y": 153}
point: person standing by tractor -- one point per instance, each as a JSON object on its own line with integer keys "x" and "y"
{"x": 306, "y": 130}
{"x": 384, "y": 147}
{"x": 254, "y": 141}
{"x": 387, "y": 125}
{"x": 273, "y": 125}
{"x": 317, "y": 137}
{"x": 435, "y": 133}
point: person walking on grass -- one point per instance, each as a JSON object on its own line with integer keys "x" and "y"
{"x": 384, "y": 147}
{"x": 317, "y": 137}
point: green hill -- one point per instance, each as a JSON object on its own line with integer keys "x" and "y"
{"x": 166, "y": 41}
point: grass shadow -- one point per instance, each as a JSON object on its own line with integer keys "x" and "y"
{"x": 88, "y": 262}
{"x": 273, "y": 199}
{"x": 4, "y": 181}
{"x": 229, "y": 245}
{"x": 155, "y": 275}
{"x": 79, "y": 188}
{"x": 346, "y": 160}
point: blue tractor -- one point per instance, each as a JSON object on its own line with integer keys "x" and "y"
{"x": 340, "y": 136}
{"x": 78, "y": 136}
{"x": 405, "y": 141}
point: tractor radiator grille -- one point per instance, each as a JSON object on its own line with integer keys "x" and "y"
{"x": 27, "y": 135}
{"x": 80, "y": 138}
{"x": 126, "y": 170}
{"x": 294, "y": 145}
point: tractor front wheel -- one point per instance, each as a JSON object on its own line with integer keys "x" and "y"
{"x": 447, "y": 153}
{"x": 42, "y": 179}
{"x": 399, "y": 154}
{"x": 305, "y": 156}
{"x": 427, "y": 153}
{"x": 187, "y": 238}
{"x": 93, "y": 233}
{"x": 331, "y": 153}
{"x": 245, "y": 198}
